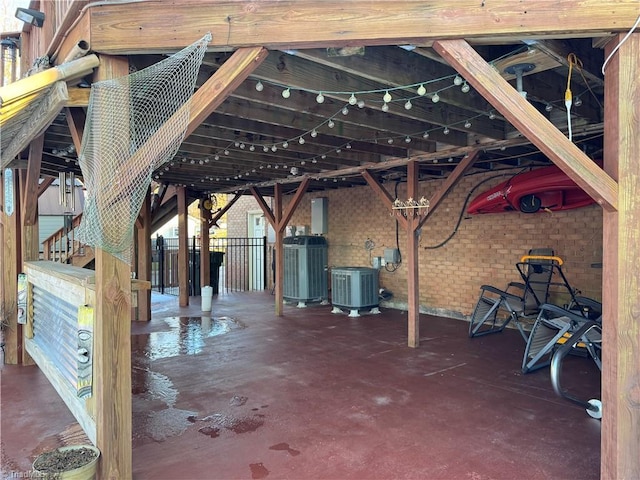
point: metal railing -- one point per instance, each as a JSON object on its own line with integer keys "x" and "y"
{"x": 236, "y": 264}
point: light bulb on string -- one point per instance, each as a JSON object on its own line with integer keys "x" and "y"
{"x": 314, "y": 133}
{"x": 320, "y": 98}
{"x": 435, "y": 98}
{"x": 408, "y": 105}
{"x": 216, "y": 157}
{"x": 425, "y": 135}
{"x": 285, "y": 144}
{"x": 265, "y": 149}
{"x": 226, "y": 152}
{"x": 345, "y": 110}
{"x": 274, "y": 148}
{"x": 457, "y": 80}
{"x": 360, "y": 103}
{"x": 548, "y": 107}
{"x": 259, "y": 86}
{"x": 385, "y": 107}
{"x": 331, "y": 124}
{"x": 577, "y": 102}
{"x": 407, "y": 140}
{"x": 386, "y": 98}
{"x": 465, "y": 88}
{"x": 352, "y": 99}
{"x": 390, "y": 141}
{"x": 301, "y": 140}
{"x": 348, "y": 146}
{"x": 467, "y": 124}
{"x": 421, "y": 90}
{"x": 251, "y": 148}
{"x": 446, "y": 131}
{"x": 286, "y": 93}
{"x": 492, "y": 115}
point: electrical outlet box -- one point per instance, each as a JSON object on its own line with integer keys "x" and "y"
{"x": 391, "y": 255}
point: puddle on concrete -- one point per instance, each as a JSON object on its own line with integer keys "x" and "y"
{"x": 212, "y": 432}
{"x": 218, "y": 421}
{"x": 187, "y": 336}
{"x": 285, "y": 447}
{"x": 258, "y": 470}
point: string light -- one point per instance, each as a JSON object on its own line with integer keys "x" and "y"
{"x": 259, "y": 86}
{"x": 320, "y": 98}
{"x": 314, "y": 133}
{"x": 286, "y": 93}
{"x": 352, "y": 99}
{"x": 435, "y": 98}
{"x": 360, "y": 103}
{"x": 345, "y": 110}
{"x": 330, "y": 124}
{"x": 492, "y": 115}
{"x": 446, "y": 131}
{"x": 457, "y": 80}
{"x": 465, "y": 88}
{"x": 421, "y": 90}
{"x": 386, "y": 98}
{"x": 385, "y": 107}
{"x": 467, "y": 124}
{"x": 548, "y": 107}
{"x": 408, "y": 105}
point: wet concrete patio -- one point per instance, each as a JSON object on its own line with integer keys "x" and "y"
{"x": 243, "y": 394}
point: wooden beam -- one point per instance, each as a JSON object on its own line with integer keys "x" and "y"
{"x": 531, "y": 123}
{"x": 183, "y": 247}
{"x": 45, "y": 112}
{"x": 218, "y": 215}
{"x": 143, "y": 259}
{"x": 620, "y": 439}
{"x": 383, "y": 195}
{"x": 76, "y": 119}
{"x": 412, "y": 261}
{"x": 30, "y": 190}
{"x": 203, "y": 102}
{"x": 46, "y": 183}
{"x": 222, "y": 83}
{"x": 265, "y": 208}
{"x": 451, "y": 180}
{"x": 295, "y": 201}
{"x": 112, "y": 341}
{"x": 332, "y": 23}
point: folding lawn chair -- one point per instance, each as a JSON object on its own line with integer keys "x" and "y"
{"x": 552, "y": 328}
{"x": 496, "y": 308}
{"x": 589, "y": 337}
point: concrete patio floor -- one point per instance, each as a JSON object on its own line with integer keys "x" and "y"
{"x": 242, "y": 394}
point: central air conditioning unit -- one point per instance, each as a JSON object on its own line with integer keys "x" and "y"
{"x": 354, "y": 288}
{"x": 305, "y": 269}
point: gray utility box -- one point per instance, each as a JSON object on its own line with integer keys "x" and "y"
{"x": 305, "y": 268}
{"x": 354, "y": 287}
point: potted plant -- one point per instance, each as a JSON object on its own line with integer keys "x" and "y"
{"x": 74, "y": 462}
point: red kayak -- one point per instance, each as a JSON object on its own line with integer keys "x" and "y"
{"x": 543, "y": 189}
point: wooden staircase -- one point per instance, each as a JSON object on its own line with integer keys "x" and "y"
{"x": 62, "y": 246}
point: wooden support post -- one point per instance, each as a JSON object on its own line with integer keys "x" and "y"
{"x": 279, "y": 248}
{"x": 183, "y": 248}
{"x": 412, "y": 260}
{"x": 620, "y": 439}
{"x": 112, "y": 342}
{"x": 29, "y": 209}
{"x": 11, "y": 255}
{"x": 278, "y": 220}
{"x": 143, "y": 259}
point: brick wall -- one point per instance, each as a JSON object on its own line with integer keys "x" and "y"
{"x": 483, "y": 251}
{"x": 237, "y": 216}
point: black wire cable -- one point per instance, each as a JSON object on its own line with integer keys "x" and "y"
{"x": 464, "y": 207}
